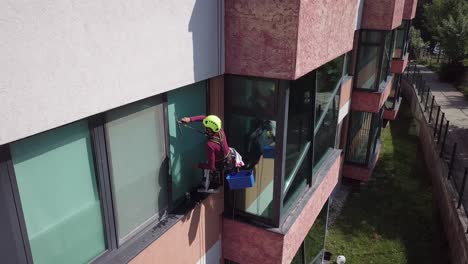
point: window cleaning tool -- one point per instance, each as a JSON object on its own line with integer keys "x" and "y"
{"x": 179, "y": 123}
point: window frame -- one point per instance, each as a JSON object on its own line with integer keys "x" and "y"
{"x": 380, "y": 56}
{"x": 113, "y": 253}
{"x": 281, "y": 99}
{"x": 404, "y": 28}
{"x": 373, "y": 136}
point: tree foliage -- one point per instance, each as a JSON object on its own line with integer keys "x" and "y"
{"x": 453, "y": 37}
{"x": 417, "y": 43}
{"x": 447, "y": 21}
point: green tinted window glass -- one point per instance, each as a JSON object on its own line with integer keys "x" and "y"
{"x": 251, "y": 130}
{"x": 328, "y": 77}
{"x": 367, "y": 67}
{"x": 57, "y": 186}
{"x": 138, "y": 163}
{"x": 187, "y": 147}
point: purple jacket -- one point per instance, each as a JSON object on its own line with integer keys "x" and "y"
{"x": 213, "y": 150}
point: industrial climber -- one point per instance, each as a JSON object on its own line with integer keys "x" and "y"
{"x": 219, "y": 156}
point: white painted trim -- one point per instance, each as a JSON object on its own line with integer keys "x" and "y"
{"x": 343, "y": 112}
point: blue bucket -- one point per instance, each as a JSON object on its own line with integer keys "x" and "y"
{"x": 241, "y": 180}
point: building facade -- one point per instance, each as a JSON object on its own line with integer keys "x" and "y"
{"x": 95, "y": 169}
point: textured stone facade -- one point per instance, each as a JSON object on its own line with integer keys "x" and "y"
{"x": 372, "y": 102}
{"x": 399, "y": 65}
{"x": 409, "y": 12}
{"x": 382, "y": 14}
{"x": 286, "y": 39}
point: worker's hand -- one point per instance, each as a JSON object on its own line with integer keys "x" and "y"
{"x": 194, "y": 166}
{"x": 185, "y": 120}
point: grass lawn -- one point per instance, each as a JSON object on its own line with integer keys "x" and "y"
{"x": 390, "y": 218}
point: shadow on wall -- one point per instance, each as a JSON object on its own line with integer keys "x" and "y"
{"x": 206, "y": 26}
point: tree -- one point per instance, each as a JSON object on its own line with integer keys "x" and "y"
{"x": 453, "y": 36}
{"x": 417, "y": 43}
{"x": 447, "y": 21}
{"x": 436, "y": 11}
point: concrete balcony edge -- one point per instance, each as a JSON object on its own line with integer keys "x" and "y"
{"x": 246, "y": 243}
{"x": 391, "y": 114}
{"x": 359, "y": 172}
{"x": 371, "y": 102}
{"x": 399, "y": 65}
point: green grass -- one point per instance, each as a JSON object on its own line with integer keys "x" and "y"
{"x": 390, "y": 218}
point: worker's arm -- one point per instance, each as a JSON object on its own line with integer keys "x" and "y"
{"x": 198, "y": 118}
{"x": 211, "y": 159}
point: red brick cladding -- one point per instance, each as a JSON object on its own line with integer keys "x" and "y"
{"x": 391, "y": 114}
{"x": 409, "y": 11}
{"x": 245, "y": 243}
{"x": 326, "y": 30}
{"x": 382, "y": 14}
{"x": 286, "y": 39}
{"x": 399, "y": 65}
{"x": 362, "y": 173}
{"x": 370, "y": 101}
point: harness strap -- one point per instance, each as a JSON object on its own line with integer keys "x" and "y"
{"x": 219, "y": 141}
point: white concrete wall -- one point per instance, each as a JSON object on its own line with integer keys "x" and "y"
{"x": 63, "y": 60}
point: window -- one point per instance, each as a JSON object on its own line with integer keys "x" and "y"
{"x": 251, "y": 130}
{"x": 401, "y": 40}
{"x": 57, "y": 185}
{"x": 187, "y": 147}
{"x": 394, "y": 93}
{"x": 374, "y": 58}
{"x": 138, "y": 164}
{"x": 98, "y": 189}
{"x": 298, "y": 161}
{"x": 256, "y": 110}
{"x": 364, "y": 132}
{"x": 387, "y": 57}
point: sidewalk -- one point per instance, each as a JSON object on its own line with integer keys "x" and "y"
{"x": 455, "y": 107}
{"x": 453, "y": 103}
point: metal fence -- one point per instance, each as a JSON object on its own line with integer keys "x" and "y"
{"x": 443, "y": 136}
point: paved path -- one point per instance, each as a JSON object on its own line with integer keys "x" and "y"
{"x": 453, "y": 103}
{"x": 455, "y": 107}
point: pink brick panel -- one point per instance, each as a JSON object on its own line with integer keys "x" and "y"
{"x": 370, "y": 101}
{"x": 261, "y": 37}
{"x": 382, "y": 14}
{"x": 391, "y": 114}
{"x": 398, "y": 13}
{"x": 361, "y": 173}
{"x": 326, "y": 31}
{"x": 409, "y": 11}
{"x": 365, "y": 101}
{"x": 345, "y": 94}
{"x": 399, "y": 65}
{"x": 244, "y": 243}
{"x": 302, "y": 223}
{"x": 189, "y": 239}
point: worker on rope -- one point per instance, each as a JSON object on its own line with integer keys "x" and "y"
{"x": 219, "y": 156}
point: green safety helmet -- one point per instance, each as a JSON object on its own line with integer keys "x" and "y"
{"x": 212, "y": 122}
